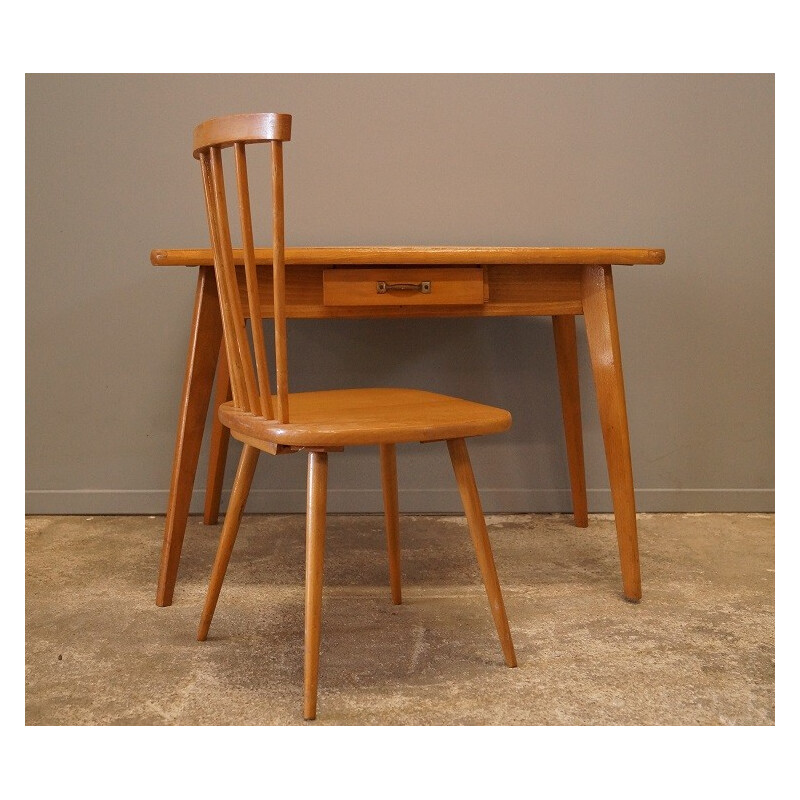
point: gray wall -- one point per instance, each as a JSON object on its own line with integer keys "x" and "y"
{"x": 683, "y": 162}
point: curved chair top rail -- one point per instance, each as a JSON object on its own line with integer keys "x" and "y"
{"x": 225, "y": 131}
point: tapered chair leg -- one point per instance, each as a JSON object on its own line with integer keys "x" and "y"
{"x": 480, "y": 539}
{"x": 392, "y": 515}
{"x": 241, "y": 488}
{"x": 315, "y": 548}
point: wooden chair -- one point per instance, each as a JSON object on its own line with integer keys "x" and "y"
{"x": 317, "y": 422}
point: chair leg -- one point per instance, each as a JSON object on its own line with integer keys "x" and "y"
{"x": 241, "y": 488}
{"x": 317, "y": 495}
{"x": 392, "y": 514}
{"x": 480, "y": 539}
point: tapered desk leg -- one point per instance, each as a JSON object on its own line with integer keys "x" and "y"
{"x": 220, "y": 437}
{"x": 600, "y": 316}
{"x": 567, "y": 360}
{"x": 201, "y": 361}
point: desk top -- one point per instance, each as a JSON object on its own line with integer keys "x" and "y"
{"x": 329, "y": 256}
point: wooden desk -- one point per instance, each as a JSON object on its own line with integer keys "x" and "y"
{"x": 517, "y": 281}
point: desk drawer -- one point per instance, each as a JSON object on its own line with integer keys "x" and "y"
{"x": 411, "y": 286}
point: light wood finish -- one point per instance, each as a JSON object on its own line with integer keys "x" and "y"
{"x": 253, "y": 299}
{"x": 471, "y": 501}
{"x": 315, "y": 550}
{"x": 373, "y": 256}
{"x": 601, "y": 331}
{"x": 391, "y": 512}
{"x": 243, "y": 128}
{"x": 201, "y": 361}
{"x": 240, "y": 364}
{"x": 241, "y": 488}
{"x": 218, "y": 449}
{"x": 567, "y": 361}
{"x": 315, "y": 421}
{"x": 346, "y": 417}
{"x": 447, "y": 286}
{"x": 519, "y": 282}
{"x": 279, "y": 283}
{"x": 280, "y": 449}
{"x": 509, "y": 290}
{"x": 533, "y": 289}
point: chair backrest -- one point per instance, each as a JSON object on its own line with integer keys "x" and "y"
{"x": 250, "y": 382}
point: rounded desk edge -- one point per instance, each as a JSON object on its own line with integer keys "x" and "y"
{"x": 331, "y": 256}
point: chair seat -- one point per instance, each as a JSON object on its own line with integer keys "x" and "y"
{"x": 343, "y": 417}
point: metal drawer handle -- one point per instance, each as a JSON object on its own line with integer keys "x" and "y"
{"x": 423, "y": 286}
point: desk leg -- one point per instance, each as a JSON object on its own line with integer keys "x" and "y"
{"x": 567, "y": 360}
{"x": 600, "y": 316}
{"x": 201, "y": 361}
{"x": 220, "y": 437}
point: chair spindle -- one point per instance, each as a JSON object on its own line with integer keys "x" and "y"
{"x": 213, "y": 229}
{"x": 244, "y": 362}
{"x": 279, "y": 283}
{"x": 251, "y": 277}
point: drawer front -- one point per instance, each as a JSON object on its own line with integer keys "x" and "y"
{"x": 408, "y": 286}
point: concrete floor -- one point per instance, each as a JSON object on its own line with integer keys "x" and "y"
{"x": 698, "y": 650}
